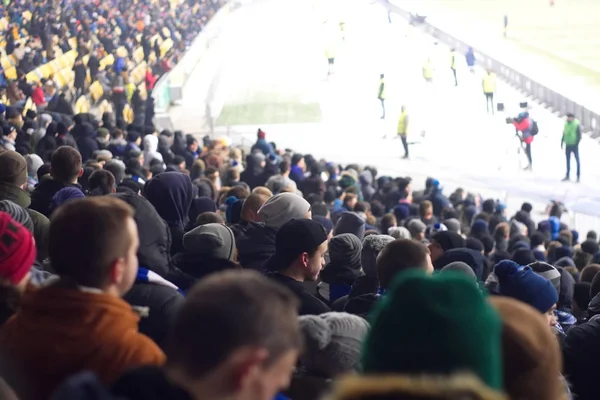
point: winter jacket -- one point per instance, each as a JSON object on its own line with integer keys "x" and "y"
{"x": 155, "y": 292}
{"x": 46, "y": 146}
{"x": 263, "y": 146}
{"x": 66, "y": 140}
{"x": 41, "y": 224}
{"x": 252, "y": 175}
{"x": 581, "y": 351}
{"x": 309, "y": 304}
{"x": 256, "y": 246}
{"x": 472, "y": 258}
{"x": 340, "y": 277}
{"x": 195, "y": 267}
{"x": 148, "y": 383}
{"x": 86, "y": 141}
{"x": 439, "y": 201}
{"x": 43, "y": 193}
{"x": 61, "y": 330}
{"x": 118, "y": 148}
{"x": 306, "y": 387}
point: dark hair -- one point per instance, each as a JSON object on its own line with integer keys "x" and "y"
{"x": 209, "y": 217}
{"x": 82, "y": 251}
{"x": 65, "y": 164}
{"x": 527, "y": 207}
{"x": 588, "y": 273}
{"x": 209, "y": 171}
{"x": 377, "y": 208}
{"x": 238, "y": 191}
{"x": 581, "y": 259}
{"x": 101, "y": 183}
{"x": 228, "y": 311}
{"x": 592, "y": 235}
{"x": 399, "y": 255}
{"x": 537, "y": 238}
{"x": 362, "y": 206}
{"x": 284, "y": 166}
{"x": 387, "y": 221}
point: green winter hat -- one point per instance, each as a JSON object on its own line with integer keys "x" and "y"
{"x": 434, "y": 325}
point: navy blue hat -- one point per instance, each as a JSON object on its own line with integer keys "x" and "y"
{"x": 326, "y": 222}
{"x": 523, "y": 284}
{"x": 402, "y": 211}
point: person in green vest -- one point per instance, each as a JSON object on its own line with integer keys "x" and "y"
{"x": 381, "y": 94}
{"x": 570, "y": 142}
{"x": 453, "y": 64}
{"x": 403, "y": 129}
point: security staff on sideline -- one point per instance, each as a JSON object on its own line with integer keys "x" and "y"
{"x": 453, "y": 62}
{"x": 428, "y": 71}
{"x": 570, "y": 142}
{"x": 330, "y": 54}
{"x": 403, "y": 129}
{"x": 381, "y": 94}
{"x": 489, "y": 88}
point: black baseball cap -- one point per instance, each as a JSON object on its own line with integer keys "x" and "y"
{"x": 294, "y": 238}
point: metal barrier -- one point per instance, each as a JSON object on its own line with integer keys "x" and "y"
{"x": 542, "y": 92}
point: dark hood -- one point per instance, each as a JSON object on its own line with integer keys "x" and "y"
{"x": 155, "y": 240}
{"x": 567, "y": 290}
{"x": 256, "y": 245}
{"x": 340, "y": 273}
{"x": 83, "y": 130}
{"x": 195, "y": 267}
{"x": 253, "y": 167}
{"x": 472, "y": 258}
{"x": 171, "y": 194}
{"x": 41, "y": 197}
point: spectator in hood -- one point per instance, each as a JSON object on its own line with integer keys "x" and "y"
{"x": 86, "y": 141}
{"x": 472, "y": 258}
{"x": 252, "y": 174}
{"x": 258, "y": 243}
{"x": 13, "y": 181}
{"x": 152, "y": 288}
{"x": 191, "y": 152}
{"x": 164, "y": 148}
{"x": 437, "y": 198}
{"x": 150, "y": 150}
{"x": 47, "y": 144}
{"x": 344, "y": 266}
{"x": 209, "y": 248}
{"x": 300, "y": 246}
{"x": 118, "y": 145}
{"x": 350, "y": 222}
{"x": 443, "y": 241}
{"x": 34, "y": 162}
{"x": 64, "y": 137}
{"x": 65, "y": 168}
{"x": 171, "y": 194}
{"x": 298, "y": 168}
{"x": 97, "y": 264}
{"x": 443, "y": 309}
{"x": 260, "y": 341}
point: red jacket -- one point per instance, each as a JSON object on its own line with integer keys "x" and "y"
{"x": 38, "y": 96}
{"x": 150, "y": 80}
{"x": 524, "y": 126}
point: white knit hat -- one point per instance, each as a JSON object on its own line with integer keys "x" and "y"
{"x": 333, "y": 342}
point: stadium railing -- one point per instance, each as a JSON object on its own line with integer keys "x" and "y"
{"x": 547, "y": 93}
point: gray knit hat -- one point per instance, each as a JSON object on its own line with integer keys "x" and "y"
{"x": 371, "y": 247}
{"x": 214, "y": 240}
{"x": 333, "y": 342}
{"x": 453, "y": 225}
{"x": 281, "y": 208}
{"x": 18, "y": 213}
{"x": 399, "y": 232}
{"x": 416, "y": 226}
{"x": 461, "y": 267}
{"x": 346, "y": 249}
{"x": 350, "y": 222}
{"x": 547, "y": 271}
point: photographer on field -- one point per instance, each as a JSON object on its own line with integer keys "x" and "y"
{"x": 526, "y": 129}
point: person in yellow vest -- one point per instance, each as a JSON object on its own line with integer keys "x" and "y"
{"x": 453, "y": 65}
{"x": 428, "y": 71}
{"x": 489, "y": 88}
{"x": 343, "y": 30}
{"x": 403, "y": 129}
{"x": 570, "y": 142}
{"x": 330, "y": 54}
{"x": 381, "y": 94}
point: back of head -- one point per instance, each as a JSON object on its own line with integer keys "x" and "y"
{"x": 251, "y": 205}
{"x": 65, "y": 164}
{"x": 13, "y": 168}
{"x": 333, "y": 342}
{"x": 400, "y": 255}
{"x": 117, "y": 168}
{"x": 588, "y": 273}
{"x": 371, "y": 247}
{"x": 350, "y": 222}
{"x": 101, "y": 182}
{"x": 449, "y": 240}
{"x": 231, "y": 311}
{"x": 530, "y": 352}
{"x": 85, "y": 252}
{"x": 211, "y": 240}
{"x": 282, "y": 208}
{"x": 444, "y": 311}
{"x": 459, "y": 267}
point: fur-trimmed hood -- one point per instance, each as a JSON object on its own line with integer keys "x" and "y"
{"x": 406, "y": 387}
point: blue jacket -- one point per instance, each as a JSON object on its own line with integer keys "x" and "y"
{"x": 470, "y": 56}
{"x": 120, "y": 65}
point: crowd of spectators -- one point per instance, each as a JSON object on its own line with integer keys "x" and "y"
{"x": 67, "y": 57}
{"x": 137, "y": 264}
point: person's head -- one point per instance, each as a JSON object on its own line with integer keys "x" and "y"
{"x": 350, "y": 201}
{"x": 588, "y": 273}
{"x": 101, "y": 183}
{"x": 530, "y": 352}
{"x": 251, "y": 206}
{"x": 211, "y": 240}
{"x": 523, "y": 284}
{"x": 13, "y": 169}
{"x": 401, "y": 255}
{"x": 387, "y": 221}
{"x": 581, "y": 259}
{"x": 209, "y": 217}
{"x": 100, "y": 253}
{"x": 192, "y": 144}
{"x": 284, "y": 167}
{"x": 445, "y": 310}
{"x": 333, "y": 342}
{"x": 592, "y": 235}
{"x": 371, "y": 247}
{"x": 590, "y": 246}
{"x": 417, "y": 228}
{"x": 502, "y": 231}
{"x": 442, "y": 241}
{"x": 17, "y": 252}
{"x": 248, "y": 353}
{"x": 65, "y": 165}
{"x": 283, "y": 207}
{"x": 300, "y": 247}
{"x": 570, "y": 117}
{"x": 298, "y": 161}
{"x": 426, "y": 209}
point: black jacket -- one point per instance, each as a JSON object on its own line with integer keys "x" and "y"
{"x": 43, "y": 193}
{"x": 256, "y": 246}
{"x": 581, "y": 352}
{"x": 472, "y": 258}
{"x": 309, "y": 304}
{"x": 153, "y": 254}
{"x": 195, "y": 267}
{"x": 148, "y": 383}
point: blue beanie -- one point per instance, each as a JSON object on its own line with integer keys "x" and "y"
{"x": 523, "y": 284}
{"x": 554, "y": 227}
{"x": 402, "y": 211}
{"x": 479, "y": 228}
{"x": 326, "y": 222}
{"x": 233, "y": 213}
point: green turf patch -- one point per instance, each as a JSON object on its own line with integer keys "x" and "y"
{"x": 269, "y": 113}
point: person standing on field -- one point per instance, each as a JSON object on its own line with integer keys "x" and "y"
{"x": 570, "y": 142}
